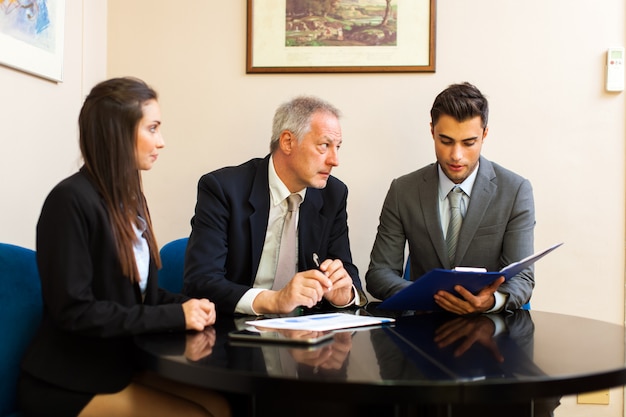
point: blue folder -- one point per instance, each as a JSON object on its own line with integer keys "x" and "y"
{"x": 419, "y": 295}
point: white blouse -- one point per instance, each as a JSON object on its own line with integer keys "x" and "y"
{"x": 142, "y": 253}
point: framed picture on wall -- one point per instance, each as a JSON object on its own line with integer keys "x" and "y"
{"x": 300, "y": 36}
{"x": 31, "y": 36}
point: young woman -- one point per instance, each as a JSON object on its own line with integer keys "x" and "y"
{"x": 98, "y": 261}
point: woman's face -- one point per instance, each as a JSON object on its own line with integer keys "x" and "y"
{"x": 149, "y": 138}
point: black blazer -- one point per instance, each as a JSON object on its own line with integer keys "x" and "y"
{"x": 91, "y": 311}
{"x": 229, "y": 226}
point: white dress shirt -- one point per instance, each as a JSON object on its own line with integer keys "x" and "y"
{"x": 269, "y": 257}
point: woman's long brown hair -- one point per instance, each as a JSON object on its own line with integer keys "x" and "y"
{"x": 108, "y": 134}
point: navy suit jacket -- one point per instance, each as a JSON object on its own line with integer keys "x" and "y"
{"x": 230, "y": 223}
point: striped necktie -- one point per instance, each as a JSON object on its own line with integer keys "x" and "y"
{"x": 454, "y": 226}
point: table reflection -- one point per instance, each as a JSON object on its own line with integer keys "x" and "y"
{"x": 328, "y": 358}
{"x": 526, "y": 359}
{"x": 442, "y": 346}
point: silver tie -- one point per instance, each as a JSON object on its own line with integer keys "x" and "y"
{"x": 452, "y": 237}
{"x": 286, "y": 265}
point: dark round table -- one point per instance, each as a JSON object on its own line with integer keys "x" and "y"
{"x": 425, "y": 364}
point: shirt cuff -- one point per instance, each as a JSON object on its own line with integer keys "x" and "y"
{"x": 355, "y": 300}
{"x": 499, "y": 324}
{"x": 500, "y": 300}
{"x": 244, "y": 305}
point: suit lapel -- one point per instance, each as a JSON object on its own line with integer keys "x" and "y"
{"x": 310, "y": 227}
{"x": 429, "y": 200}
{"x": 482, "y": 194}
{"x": 260, "y": 202}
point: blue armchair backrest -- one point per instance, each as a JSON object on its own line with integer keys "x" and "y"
{"x": 173, "y": 265}
{"x": 20, "y": 314}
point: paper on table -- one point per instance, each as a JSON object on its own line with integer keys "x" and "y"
{"x": 320, "y": 322}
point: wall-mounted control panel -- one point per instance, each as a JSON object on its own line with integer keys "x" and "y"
{"x": 615, "y": 69}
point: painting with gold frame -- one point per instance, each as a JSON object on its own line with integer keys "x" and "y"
{"x": 302, "y": 36}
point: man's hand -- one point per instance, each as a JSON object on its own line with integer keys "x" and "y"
{"x": 341, "y": 293}
{"x": 305, "y": 289}
{"x": 468, "y": 303}
{"x": 469, "y": 330}
{"x": 327, "y": 357}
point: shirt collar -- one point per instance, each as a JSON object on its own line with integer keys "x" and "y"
{"x": 278, "y": 190}
{"x": 140, "y": 227}
{"x": 446, "y": 185}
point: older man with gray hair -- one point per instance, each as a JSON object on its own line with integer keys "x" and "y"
{"x": 271, "y": 235}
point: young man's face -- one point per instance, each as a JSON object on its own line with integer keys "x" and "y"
{"x": 458, "y": 145}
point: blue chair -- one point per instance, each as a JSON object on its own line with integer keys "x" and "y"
{"x": 407, "y": 269}
{"x": 173, "y": 265}
{"x": 407, "y": 275}
{"x": 20, "y": 313}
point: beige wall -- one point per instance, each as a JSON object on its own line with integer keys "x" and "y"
{"x": 551, "y": 121}
{"x": 539, "y": 62}
{"x": 38, "y": 142}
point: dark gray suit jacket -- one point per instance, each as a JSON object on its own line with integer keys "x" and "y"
{"x": 498, "y": 229}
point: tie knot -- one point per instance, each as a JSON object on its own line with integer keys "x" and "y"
{"x": 293, "y": 201}
{"x": 455, "y": 197}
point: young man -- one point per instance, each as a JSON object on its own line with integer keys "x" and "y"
{"x": 495, "y": 211}
{"x": 234, "y": 251}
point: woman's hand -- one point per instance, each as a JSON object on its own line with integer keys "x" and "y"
{"x": 199, "y": 313}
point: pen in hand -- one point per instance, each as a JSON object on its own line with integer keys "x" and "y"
{"x": 316, "y": 260}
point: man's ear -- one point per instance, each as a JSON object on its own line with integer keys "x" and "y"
{"x": 485, "y": 131}
{"x": 286, "y": 141}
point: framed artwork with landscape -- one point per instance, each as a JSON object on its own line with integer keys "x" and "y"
{"x": 286, "y": 36}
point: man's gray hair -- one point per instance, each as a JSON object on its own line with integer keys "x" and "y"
{"x": 295, "y": 116}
